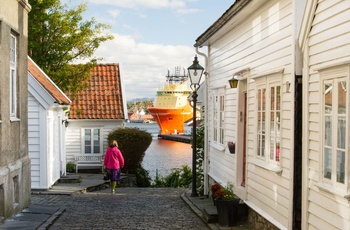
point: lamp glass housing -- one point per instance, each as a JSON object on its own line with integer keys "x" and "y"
{"x": 233, "y": 83}
{"x": 195, "y": 72}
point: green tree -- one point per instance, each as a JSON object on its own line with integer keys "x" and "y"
{"x": 58, "y": 37}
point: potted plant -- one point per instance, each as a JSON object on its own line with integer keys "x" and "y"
{"x": 214, "y": 188}
{"x": 227, "y": 206}
{"x": 231, "y": 146}
{"x": 70, "y": 167}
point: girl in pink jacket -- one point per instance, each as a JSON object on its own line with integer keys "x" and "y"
{"x": 113, "y": 161}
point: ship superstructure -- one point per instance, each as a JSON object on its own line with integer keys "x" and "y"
{"x": 171, "y": 106}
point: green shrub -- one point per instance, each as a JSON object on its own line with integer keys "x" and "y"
{"x": 142, "y": 177}
{"x": 178, "y": 178}
{"x": 133, "y": 144}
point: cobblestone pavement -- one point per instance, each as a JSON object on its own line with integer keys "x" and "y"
{"x": 129, "y": 208}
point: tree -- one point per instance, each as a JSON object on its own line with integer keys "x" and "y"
{"x": 58, "y": 37}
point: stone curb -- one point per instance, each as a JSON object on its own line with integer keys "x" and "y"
{"x": 51, "y": 220}
{"x": 197, "y": 211}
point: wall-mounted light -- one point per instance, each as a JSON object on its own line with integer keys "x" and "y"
{"x": 65, "y": 122}
{"x": 287, "y": 87}
{"x": 233, "y": 81}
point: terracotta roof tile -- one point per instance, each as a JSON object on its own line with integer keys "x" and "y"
{"x": 47, "y": 83}
{"x": 103, "y": 99}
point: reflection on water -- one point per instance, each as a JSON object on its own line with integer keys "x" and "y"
{"x": 163, "y": 155}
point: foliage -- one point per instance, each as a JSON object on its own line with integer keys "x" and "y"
{"x": 225, "y": 193}
{"x": 215, "y": 187}
{"x": 133, "y": 144}
{"x": 178, "y": 178}
{"x": 200, "y": 155}
{"x": 58, "y": 36}
{"x": 142, "y": 177}
{"x": 69, "y": 167}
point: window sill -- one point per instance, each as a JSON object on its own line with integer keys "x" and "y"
{"x": 333, "y": 191}
{"x": 14, "y": 119}
{"x": 273, "y": 168}
{"x": 218, "y": 147}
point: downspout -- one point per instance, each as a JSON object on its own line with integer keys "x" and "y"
{"x": 206, "y": 122}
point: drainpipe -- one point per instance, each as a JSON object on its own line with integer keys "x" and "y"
{"x": 206, "y": 123}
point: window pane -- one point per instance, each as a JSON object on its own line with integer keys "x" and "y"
{"x": 263, "y": 99}
{"x": 87, "y": 144}
{"x": 96, "y": 142}
{"x": 13, "y": 92}
{"x": 342, "y": 97}
{"x": 341, "y": 166}
{"x": 341, "y": 132}
{"x": 328, "y": 131}
{"x": 327, "y": 163}
{"x": 278, "y": 97}
{"x": 272, "y": 98}
{"x": 328, "y": 98}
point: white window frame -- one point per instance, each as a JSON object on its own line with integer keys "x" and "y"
{"x": 218, "y": 115}
{"x": 333, "y": 77}
{"x": 92, "y": 141}
{"x": 13, "y": 77}
{"x": 264, "y": 129}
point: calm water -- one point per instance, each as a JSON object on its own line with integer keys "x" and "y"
{"x": 164, "y": 155}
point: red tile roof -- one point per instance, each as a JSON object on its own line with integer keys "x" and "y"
{"x": 103, "y": 99}
{"x": 47, "y": 83}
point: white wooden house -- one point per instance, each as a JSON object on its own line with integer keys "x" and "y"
{"x": 325, "y": 42}
{"x": 255, "y": 41}
{"x": 94, "y": 113}
{"x": 47, "y": 110}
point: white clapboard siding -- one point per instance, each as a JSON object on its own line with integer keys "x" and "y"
{"x": 74, "y": 135}
{"x": 327, "y": 44}
{"x": 262, "y": 42}
{"x": 34, "y": 139}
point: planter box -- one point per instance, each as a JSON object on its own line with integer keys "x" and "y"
{"x": 227, "y": 212}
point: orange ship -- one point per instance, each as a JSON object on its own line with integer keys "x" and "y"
{"x": 171, "y": 106}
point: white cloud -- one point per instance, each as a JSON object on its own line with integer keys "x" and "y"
{"x": 144, "y": 66}
{"x": 188, "y": 11}
{"x": 114, "y": 13}
{"x": 155, "y": 4}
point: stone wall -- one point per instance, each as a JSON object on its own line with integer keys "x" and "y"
{"x": 259, "y": 222}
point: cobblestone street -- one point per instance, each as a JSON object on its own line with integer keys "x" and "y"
{"x": 129, "y": 208}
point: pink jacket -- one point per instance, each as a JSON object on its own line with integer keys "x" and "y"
{"x": 113, "y": 158}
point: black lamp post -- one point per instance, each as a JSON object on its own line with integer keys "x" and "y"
{"x": 195, "y": 72}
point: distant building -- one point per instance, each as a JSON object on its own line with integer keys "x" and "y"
{"x": 14, "y": 159}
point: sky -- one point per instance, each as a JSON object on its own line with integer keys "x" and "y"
{"x": 151, "y": 36}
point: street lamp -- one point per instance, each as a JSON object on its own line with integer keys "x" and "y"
{"x": 195, "y": 72}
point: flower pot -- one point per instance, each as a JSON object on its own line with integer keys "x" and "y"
{"x": 231, "y": 146}
{"x": 232, "y": 150}
{"x": 227, "y": 212}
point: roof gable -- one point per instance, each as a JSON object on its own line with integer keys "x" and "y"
{"x": 103, "y": 98}
{"x": 50, "y": 87}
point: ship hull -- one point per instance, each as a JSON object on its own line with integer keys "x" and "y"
{"x": 171, "y": 120}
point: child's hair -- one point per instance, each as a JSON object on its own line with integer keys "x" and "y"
{"x": 113, "y": 143}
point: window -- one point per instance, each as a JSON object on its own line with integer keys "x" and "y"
{"x": 92, "y": 141}
{"x": 219, "y": 117}
{"x": 268, "y": 98}
{"x": 334, "y": 128}
{"x": 13, "y": 77}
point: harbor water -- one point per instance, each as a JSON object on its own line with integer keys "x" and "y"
{"x": 163, "y": 155}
